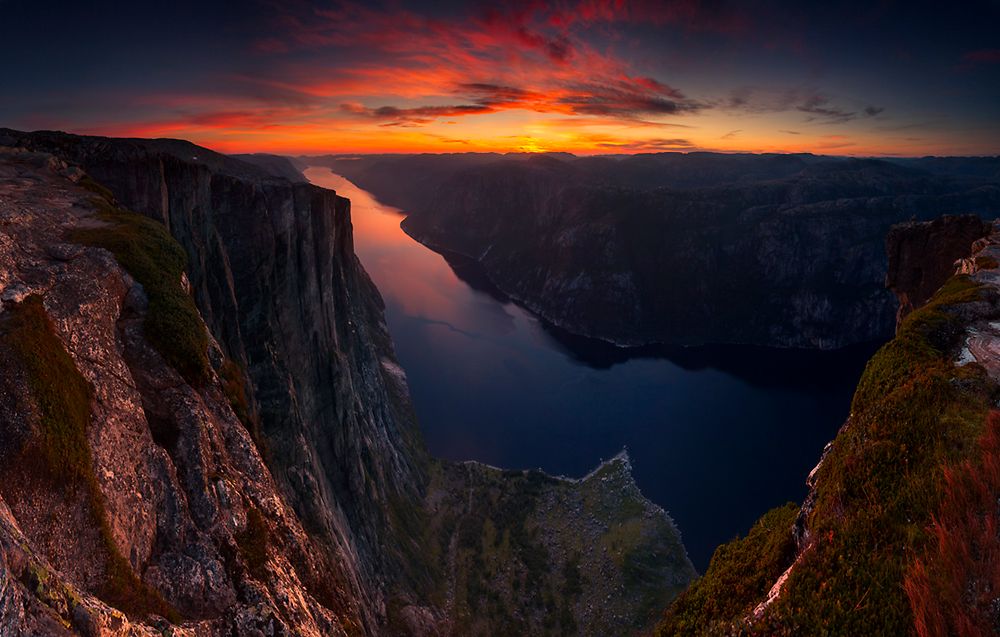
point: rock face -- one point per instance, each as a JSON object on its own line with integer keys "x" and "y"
{"x": 159, "y": 518}
{"x": 272, "y": 268}
{"x": 787, "y": 252}
{"x": 296, "y": 500}
{"x": 922, "y": 256}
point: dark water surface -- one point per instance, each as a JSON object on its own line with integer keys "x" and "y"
{"x": 717, "y": 435}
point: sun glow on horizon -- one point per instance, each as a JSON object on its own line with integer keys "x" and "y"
{"x": 579, "y": 76}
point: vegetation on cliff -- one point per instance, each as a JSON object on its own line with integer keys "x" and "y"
{"x": 953, "y": 584}
{"x": 147, "y": 251}
{"x": 879, "y": 492}
{"x": 62, "y": 403}
{"x": 528, "y": 553}
{"x": 739, "y": 575}
{"x": 60, "y": 392}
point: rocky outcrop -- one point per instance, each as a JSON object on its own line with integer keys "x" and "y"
{"x": 788, "y": 252}
{"x": 922, "y": 256}
{"x": 296, "y": 456}
{"x": 529, "y": 553}
{"x": 156, "y": 499}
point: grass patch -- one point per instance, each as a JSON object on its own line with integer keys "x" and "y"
{"x": 63, "y": 397}
{"x": 122, "y": 588}
{"x": 738, "y": 577}
{"x": 954, "y": 586}
{"x": 147, "y": 251}
{"x": 62, "y": 394}
{"x": 914, "y": 414}
{"x": 88, "y": 183}
{"x": 234, "y": 387}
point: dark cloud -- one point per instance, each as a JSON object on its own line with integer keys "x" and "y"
{"x": 820, "y": 108}
{"x": 628, "y": 99}
{"x": 395, "y": 116}
{"x": 655, "y": 144}
{"x": 494, "y": 94}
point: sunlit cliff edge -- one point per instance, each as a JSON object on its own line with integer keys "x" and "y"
{"x": 205, "y": 431}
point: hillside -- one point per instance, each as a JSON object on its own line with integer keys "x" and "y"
{"x": 898, "y": 533}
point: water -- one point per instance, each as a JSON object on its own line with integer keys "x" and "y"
{"x": 717, "y": 435}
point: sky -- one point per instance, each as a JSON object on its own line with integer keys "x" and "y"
{"x": 583, "y": 76}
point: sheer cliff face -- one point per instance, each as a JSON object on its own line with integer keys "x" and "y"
{"x": 272, "y": 268}
{"x": 788, "y": 254}
{"x": 124, "y": 488}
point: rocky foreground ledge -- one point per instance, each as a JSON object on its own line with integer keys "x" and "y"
{"x": 132, "y": 497}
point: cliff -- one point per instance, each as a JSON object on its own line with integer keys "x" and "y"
{"x": 258, "y": 299}
{"x": 129, "y": 488}
{"x": 898, "y": 533}
{"x": 273, "y": 273}
{"x": 779, "y": 250}
{"x": 922, "y": 256}
{"x": 275, "y": 165}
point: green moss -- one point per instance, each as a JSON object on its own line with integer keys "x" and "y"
{"x": 234, "y": 386}
{"x": 914, "y": 413}
{"x": 62, "y": 394}
{"x": 739, "y": 575}
{"x": 88, "y": 183}
{"x": 122, "y": 588}
{"x": 147, "y": 251}
{"x": 63, "y": 397}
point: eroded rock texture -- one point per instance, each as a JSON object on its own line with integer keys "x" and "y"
{"x": 175, "y": 512}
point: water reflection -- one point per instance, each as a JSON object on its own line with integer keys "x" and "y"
{"x": 717, "y": 434}
{"x": 759, "y": 366}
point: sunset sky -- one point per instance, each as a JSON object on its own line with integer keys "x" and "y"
{"x": 595, "y": 76}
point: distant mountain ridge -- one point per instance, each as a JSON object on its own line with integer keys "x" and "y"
{"x": 782, "y": 250}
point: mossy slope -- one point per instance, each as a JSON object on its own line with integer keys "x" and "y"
{"x": 147, "y": 251}
{"x": 62, "y": 399}
{"x": 915, "y": 413}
